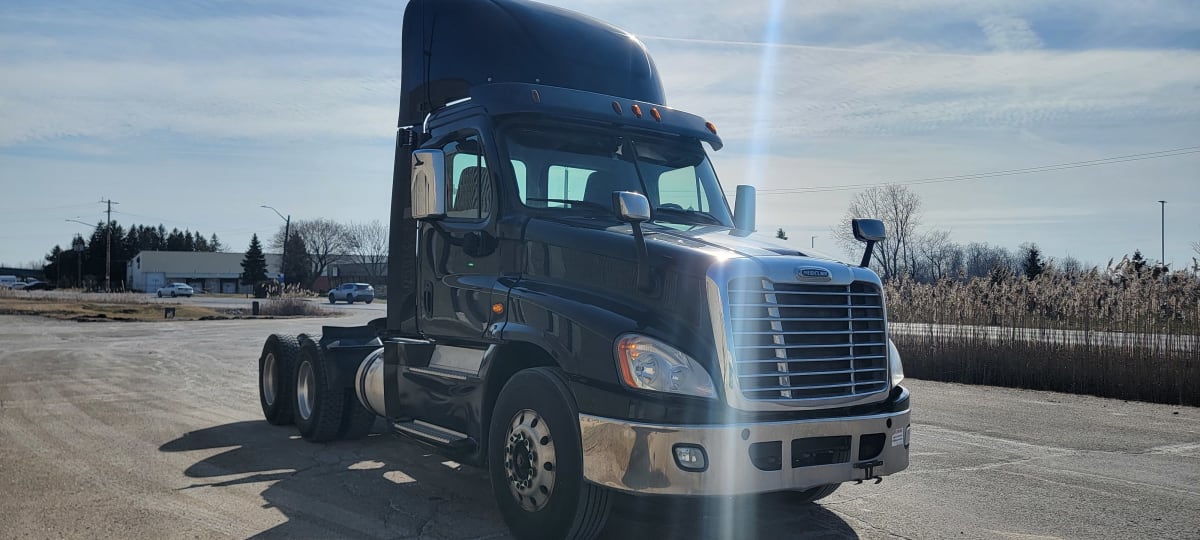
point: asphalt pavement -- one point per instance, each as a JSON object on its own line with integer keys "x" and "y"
{"x": 153, "y": 430}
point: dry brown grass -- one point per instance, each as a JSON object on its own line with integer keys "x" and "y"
{"x": 1103, "y": 334}
{"x": 292, "y": 307}
{"x": 75, "y": 305}
{"x": 97, "y": 311}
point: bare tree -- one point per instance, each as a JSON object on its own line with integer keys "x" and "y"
{"x": 1071, "y": 267}
{"x": 936, "y": 253}
{"x": 369, "y": 249}
{"x": 325, "y": 240}
{"x": 982, "y": 260}
{"x": 900, "y": 210}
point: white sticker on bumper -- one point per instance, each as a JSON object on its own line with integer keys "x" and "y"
{"x": 898, "y": 437}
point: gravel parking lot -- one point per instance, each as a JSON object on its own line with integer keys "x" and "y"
{"x": 153, "y": 430}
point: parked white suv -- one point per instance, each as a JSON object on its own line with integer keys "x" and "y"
{"x": 353, "y": 292}
{"x": 176, "y": 289}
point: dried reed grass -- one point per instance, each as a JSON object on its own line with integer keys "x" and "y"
{"x": 1101, "y": 333}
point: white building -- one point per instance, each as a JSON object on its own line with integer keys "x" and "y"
{"x": 204, "y": 271}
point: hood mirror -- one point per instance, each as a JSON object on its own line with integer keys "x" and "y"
{"x": 631, "y": 207}
{"x": 634, "y": 208}
{"x": 869, "y": 231}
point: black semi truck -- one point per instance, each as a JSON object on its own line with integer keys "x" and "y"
{"x": 573, "y": 305}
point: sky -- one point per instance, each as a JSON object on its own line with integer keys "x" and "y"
{"x": 193, "y": 114}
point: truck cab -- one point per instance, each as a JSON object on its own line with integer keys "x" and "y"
{"x": 583, "y": 313}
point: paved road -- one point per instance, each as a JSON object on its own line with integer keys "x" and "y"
{"x": 152, "y": 430}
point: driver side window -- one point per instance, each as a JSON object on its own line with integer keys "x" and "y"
{"x": 469, "y": 185}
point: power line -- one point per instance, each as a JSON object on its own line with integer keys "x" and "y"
{"x": 993, "y": 174}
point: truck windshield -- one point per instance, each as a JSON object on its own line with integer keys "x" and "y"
{"x": 576, "y": 170}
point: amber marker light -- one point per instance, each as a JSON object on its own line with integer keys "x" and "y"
{"x": 627, "y": 350}
{"x": 657, "y": 116}
{"x": 711, "y": 127}
{"x": 497, "y": 308}
{"x": 637, "y": 111}
{"x": 617, "y": 107}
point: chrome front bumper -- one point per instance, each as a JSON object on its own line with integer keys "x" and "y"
{"x": 640, "y": 458}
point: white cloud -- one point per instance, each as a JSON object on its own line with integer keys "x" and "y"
{"x": 1007, "y": 33}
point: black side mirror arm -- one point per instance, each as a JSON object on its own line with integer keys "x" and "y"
{"x": 866, "y": 260}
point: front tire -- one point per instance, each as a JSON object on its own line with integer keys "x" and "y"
{"x": 275, "y": 389}
{"x": 369, "y": 300}
{"x": 536, "y": 461}
{"x": 350, "y": 299}
{"x": 160, "y": 294}
{"x": 332, "y": 300}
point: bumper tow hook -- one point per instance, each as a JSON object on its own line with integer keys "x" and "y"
{"x": 869, "y": 470}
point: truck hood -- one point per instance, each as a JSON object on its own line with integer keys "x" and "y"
{"x": 721, "y": 242}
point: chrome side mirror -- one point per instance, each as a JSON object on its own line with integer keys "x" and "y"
{"x": 428, "y": 184}
{"x": 743, "y": 209}
{"x": 634, "y": 208}
{"x": 631, "y": 207}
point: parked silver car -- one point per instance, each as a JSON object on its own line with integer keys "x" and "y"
{"x": 176, "y": 289}
{"x": 353, "y": 292}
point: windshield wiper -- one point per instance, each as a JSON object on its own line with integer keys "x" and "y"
{"x": 691, "y": 215}
{"x": 572, "y": 202}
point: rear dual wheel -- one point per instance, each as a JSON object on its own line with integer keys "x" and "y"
{"x": 324, "y": 411}
{"x": 275, "y": 389}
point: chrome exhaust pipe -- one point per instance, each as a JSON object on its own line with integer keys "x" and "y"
{"x": 369, "y": 383}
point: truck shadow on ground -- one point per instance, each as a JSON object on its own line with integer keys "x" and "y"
{"x": 386, "y": 486}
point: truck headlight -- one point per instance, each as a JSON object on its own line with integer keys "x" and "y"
{"x": 649, "y": 364}
{"x": 894, "y": 365}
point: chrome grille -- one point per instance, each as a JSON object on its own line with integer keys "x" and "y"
{"x": 803, "y": 341}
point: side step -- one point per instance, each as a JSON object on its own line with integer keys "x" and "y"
{"x": 431, "y": 433}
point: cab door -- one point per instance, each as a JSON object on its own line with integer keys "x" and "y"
{"x": 459, "y": 261}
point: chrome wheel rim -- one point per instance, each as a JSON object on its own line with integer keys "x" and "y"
{"x": 268, "y": 379}
{"x": 530, "y": 462}
{"x": 305, "y": 390}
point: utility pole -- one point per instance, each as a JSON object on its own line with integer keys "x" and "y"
{"x": 813, "y": 242}
{"x": 1163, "y": 224}
{"x": 287, "y": 231}
{"x": 108, "y": 247}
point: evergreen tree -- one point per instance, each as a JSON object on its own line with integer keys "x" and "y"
{"x": 254, "y": 264}
{"x": 200, "y": 241}
{"x": 1033, "y": 265}
{"x": 189, "y": 243}
{"x": 214, "y": 244}
{"x": 297, "y": 267}
{"x": 1138, "y": 261}
{"x": 780, "y": 234}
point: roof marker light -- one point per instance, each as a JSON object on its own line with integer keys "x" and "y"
{"x": 617, "y": 107}
{"x": 711, "y": 127}
{"x": 537, "y": 98}
{"x": 637, "y": 111}
{"x": 657, "y": 116}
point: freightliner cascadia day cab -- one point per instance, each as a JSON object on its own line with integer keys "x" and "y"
{"x": 574, "y": 307}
